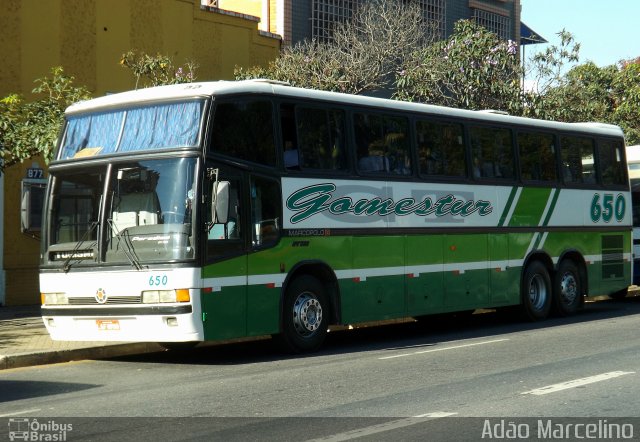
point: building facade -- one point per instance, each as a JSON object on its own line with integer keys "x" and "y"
{"x": 87, "y": 38}
{"x": 312, "y": 19}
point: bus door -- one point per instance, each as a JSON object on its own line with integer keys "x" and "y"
{"x": 224, "y": 296}
{"x": 267, "y": 257}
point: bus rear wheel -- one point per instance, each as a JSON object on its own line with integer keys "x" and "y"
{"x": 567, "y": 289}
{"x": 305, "y": 315}
{"x": 536, "y": 292}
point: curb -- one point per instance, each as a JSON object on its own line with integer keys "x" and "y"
{"x": 58, "y": 356}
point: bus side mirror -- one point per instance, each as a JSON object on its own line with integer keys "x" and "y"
{"x": 31, "y": 206}
{"x": 220, "y": 204}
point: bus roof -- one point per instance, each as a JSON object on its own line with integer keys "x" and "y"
{"x": 260, "y": 86}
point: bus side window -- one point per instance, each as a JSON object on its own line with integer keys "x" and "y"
{"x": 265, "y": 211}
{"x": 611, "y": 162}
{"x": 321, "y": 138}
{"x": 537, "y": 156}
{"x": 577, "y": 159}
{"x": 243, "y": 129}
{"x": 382, "y": 143}
{"x": 440, "y": 149}
{"x": 290, "y": 147}
{"x": 492, "y": 153}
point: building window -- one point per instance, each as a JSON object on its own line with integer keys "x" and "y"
{"x": 434, "y": 14}
{"x": 496, "y": 23}
{"x": 326, "y": 14}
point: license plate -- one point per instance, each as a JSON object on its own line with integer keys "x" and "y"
{"x": 108, "y": 324}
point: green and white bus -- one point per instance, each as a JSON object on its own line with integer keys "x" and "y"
{"x": 221, "y": 210}
{"x": 633, "y": 162}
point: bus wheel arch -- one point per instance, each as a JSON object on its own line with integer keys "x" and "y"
{"x": 308, "y": 303}
{"x": 536, "y": 287}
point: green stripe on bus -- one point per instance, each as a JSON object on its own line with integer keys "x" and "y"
{"x": 551, "y": 207}
{"x": 539, "y": 236}
{"x": 530, "y": 207}
{"x": 507, "y": 207}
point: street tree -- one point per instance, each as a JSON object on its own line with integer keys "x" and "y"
{"x": 587, "y": 92}
{"x": 361, "y": 55}
{"x": 30, "y": 128}
{"x": 472, "y": 69}
{"x": 626, "y": 99}
{"x": 156, "y": 70}
{"x": 543, "y": 96}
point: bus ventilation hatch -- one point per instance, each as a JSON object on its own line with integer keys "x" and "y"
{"x": 612, "y": 257}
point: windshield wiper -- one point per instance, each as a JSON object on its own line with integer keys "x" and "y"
{"x": 66, "y": 265}
{"x": 128, "y": 248}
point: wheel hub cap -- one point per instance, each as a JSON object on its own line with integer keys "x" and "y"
{"x": 568, "y": 288}
{"x": 307, "y": 314}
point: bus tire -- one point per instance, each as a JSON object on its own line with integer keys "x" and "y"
{"x": 567, "y": 289}
{"x": 536, "y": 292}
{"x": 305, "y": 315}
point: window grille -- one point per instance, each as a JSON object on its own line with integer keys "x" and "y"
{"x": 496, "y": 23}
{"x": 326, "y": 14}
{"x": 434, "y": 15}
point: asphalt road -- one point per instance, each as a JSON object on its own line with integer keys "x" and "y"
{"x": 457, "y": 379}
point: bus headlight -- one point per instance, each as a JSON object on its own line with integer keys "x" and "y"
{"x": 54, "y": 298}
{"x": 163, "y": 296}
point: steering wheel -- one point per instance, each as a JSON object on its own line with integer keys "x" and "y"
{"x": 176, "y": 217}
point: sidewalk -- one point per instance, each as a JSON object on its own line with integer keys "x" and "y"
{"x": 24, "y": 341}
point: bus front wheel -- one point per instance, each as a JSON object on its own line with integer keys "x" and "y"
{"x": 305, "y": 315}
{"x": 536, "y": 292}
{"x": 567, "y": 290}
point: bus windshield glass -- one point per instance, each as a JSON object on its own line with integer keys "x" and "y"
{"x": 157, "y": 126}
{"x": 148, "y": 214}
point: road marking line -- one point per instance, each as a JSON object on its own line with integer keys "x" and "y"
{"x": 443, "y": 349}
{"x": 381, "y": 428}
{"x": 15, "y": 413}
{"x": 577, "y": 382}
{"x": 436, "y": 414}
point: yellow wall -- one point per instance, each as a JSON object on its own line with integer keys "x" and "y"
{"x": 251, "y": 7}
{"x": 87, "y": 38}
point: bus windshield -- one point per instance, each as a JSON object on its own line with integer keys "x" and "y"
{"x": 147, "y": 215}
{"x": 156, "y": 126}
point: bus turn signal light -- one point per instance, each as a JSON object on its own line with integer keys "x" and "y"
{"x": 182, "y": 295}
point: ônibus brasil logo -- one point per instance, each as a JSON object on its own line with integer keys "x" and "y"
{"x": 318, "y": 198}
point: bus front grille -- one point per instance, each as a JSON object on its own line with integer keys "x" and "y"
{"x": 110, "y": 300}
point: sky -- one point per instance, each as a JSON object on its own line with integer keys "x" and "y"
{"x": 607, "y": 30}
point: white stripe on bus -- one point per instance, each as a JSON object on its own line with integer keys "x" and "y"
{"x": 361, "y": 275}
{"x": 514, "y": 203}
{"x": 547, "y": 207}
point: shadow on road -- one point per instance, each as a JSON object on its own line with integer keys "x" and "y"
{"x": 429, "y": 331}
{"x": 16, "y": 390}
